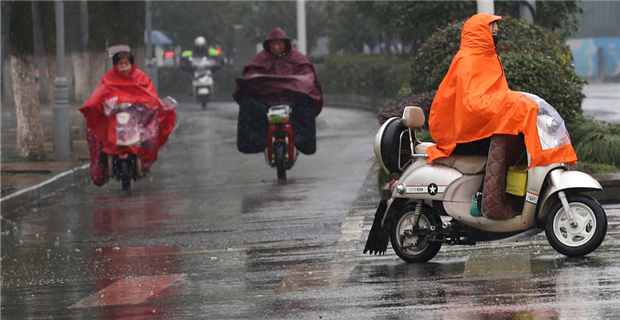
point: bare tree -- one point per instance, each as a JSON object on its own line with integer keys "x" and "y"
{"x": 29, "y": 127}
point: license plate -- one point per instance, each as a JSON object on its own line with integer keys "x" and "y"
{"x": 203, "y": 91}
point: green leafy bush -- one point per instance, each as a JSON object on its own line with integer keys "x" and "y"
{"x": 172, "y": 81}
{"x": 395, "y": 107}
{"x": 535, "y": 60}
{"x": 368, "y": 75}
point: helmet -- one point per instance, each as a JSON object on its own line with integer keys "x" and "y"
{"x": 200, "y": 41}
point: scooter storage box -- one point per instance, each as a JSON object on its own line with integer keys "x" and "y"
{"x": 394, "y": 146}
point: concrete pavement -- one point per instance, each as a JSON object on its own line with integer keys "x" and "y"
{"x": 24, "y": 181}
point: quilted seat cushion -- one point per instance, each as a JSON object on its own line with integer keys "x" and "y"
{"x": 505, "y": 150}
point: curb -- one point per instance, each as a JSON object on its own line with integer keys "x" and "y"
{"x": 611, "y": 188}
{"x": 44, "y": 189}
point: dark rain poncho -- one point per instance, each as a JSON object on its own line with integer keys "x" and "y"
{"x": 269, "y": 79}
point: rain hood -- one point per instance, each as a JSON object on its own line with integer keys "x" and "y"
{"x": 474, "y": 102}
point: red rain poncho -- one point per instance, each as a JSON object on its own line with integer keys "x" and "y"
{"x": 136, "y": 88}
{"x": 474, "y": 102}
{"x": 272, "y": 78}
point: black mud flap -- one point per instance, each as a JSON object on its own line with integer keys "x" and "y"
{"x": 378, "y": 237}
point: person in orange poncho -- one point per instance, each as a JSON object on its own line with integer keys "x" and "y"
{"x": 125, "y": 84}
{"x": 474, "y": 102}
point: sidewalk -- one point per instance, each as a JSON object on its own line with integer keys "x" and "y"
{"x": 19, "y": 174}
{"x": 32, "y": 180}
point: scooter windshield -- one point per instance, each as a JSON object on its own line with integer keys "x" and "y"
{"x": 551, "y": 128}
{"x": 136, "y": 125}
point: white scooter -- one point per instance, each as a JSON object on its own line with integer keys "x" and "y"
{"x": 202, "y": 84}
{"x": 442, "y": 202}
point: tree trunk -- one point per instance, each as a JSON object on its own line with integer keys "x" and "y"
{"x": 96, "y": 70}
{"x": 29, "y": 128}
{"x": 7, "y": 83}
{"x": 81, "y": 72}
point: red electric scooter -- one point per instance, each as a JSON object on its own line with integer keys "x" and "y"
{"x": 280, "y": 152}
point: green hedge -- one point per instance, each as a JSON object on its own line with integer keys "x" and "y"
{"x": 367, "y": 75}
{"x": 535, "y": 60}
{"x": 173, "y": 81}
{"x": 225, "y": 80}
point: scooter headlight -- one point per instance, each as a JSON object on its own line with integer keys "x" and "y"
{"x": 548, "y": 123}
{"x": 558, "y": 142}
{"x": 552, "y": 125}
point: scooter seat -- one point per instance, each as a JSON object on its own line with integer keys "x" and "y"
{"x": 464, "y": 164}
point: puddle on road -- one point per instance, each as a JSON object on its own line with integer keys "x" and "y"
{"x": 327, "y": 276}
{"x": 129, "y": 291}
{"x": 494, "y": 266}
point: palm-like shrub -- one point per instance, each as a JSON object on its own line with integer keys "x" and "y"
{"x": 595, "y": 142}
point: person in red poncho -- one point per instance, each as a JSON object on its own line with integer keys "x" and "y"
{"x": 279, "y": 73}
{"x": 474, "y": 102}
{"x": 125, "y": 115}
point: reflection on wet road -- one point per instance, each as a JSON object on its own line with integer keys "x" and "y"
{"x": 210, "y": 234}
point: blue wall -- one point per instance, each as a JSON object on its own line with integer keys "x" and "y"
{"x": 585, "y": 54}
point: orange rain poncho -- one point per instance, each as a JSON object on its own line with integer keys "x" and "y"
{"x": 474, "y": 102}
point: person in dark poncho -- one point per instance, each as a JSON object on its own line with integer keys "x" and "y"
{"x": 279, "y": 73}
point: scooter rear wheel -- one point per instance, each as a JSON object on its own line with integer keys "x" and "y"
{"x": 413, "y": 249}
{"x": 582, "y": 238}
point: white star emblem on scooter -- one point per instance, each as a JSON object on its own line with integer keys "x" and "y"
{"x": 432, "y": 189}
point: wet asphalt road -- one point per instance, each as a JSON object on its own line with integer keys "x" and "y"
{"x": 210, "y": 234}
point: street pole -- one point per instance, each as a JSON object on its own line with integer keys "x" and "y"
{"x": 527, "y": 10}
{"x": 62, "y": 139}
{"x": 486, "y": 6}
{"x": 301, "y": 26}
{"x": 151, "y": 70}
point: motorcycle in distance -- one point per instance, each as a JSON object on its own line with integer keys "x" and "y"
{"x": 430, "y": 205}
{"x": 280, "y": 152}
{"x": 202, "y": 83}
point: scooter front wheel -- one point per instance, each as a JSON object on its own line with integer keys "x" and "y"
{"x": 409, "y": 247}
{"x": 585, "y": 234}
{"x": 280, "y": 152}
{"x": 125, "y": 176}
